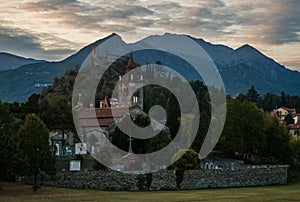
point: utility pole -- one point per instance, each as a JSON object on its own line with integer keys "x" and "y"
{"x": 130, "y": 144}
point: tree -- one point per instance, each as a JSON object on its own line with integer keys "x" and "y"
{"x": 173, "y": 115}
{"x": 158, "y": 142}
{"x": 270, "y": 102}
{"x": 252, "y": 95}
{"x": 205, "y": 114}
{"x": 283, "y": 99}
{"x": 288, "y": 119}
{"x": 31, "y": 105}
{"x": 34, "y": 148}
{"x": 277, "y": 148}
{"x": 243, "y": 130}
{"x": 121, "y": 140}
{"x": 57, "y": 115}
{"x": 295, "y": 147}
{"x": 188, "y": 161}
{"x": 8, "y": 138}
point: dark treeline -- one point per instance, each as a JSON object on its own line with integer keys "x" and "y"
{"x": 270, "y": 101}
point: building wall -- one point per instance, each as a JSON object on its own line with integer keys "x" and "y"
{"x": 296, "y": 119}
{"x": 166, "y": 179}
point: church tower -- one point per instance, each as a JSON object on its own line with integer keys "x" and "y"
{"x": 131, "y": 83}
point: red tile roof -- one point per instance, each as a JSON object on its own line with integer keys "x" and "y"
{"x": 294, "y": 115}
{"x": 295, "y": 126}
{"x": 101, "y": 112}
{"x": 288, "y": 109}
{"x": 104, "y": 117}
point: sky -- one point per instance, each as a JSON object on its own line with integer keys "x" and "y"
{"x": 54, "y": 29}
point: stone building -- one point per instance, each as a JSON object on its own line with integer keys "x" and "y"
{"x": 96, "y": 124}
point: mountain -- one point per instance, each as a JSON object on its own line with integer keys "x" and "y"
{"x": 261, "y": 71}
{"x": 239, "y": 68}
{"x": 250, "y": 56}
{"x": 18, "y": 84}
{"x": 10, "y": 61}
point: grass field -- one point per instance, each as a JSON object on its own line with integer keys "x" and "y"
{"x": 17, "y": 192}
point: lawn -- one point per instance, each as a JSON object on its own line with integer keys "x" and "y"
{"x": 17, "y": 192}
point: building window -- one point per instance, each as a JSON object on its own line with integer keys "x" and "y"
{"x": 131, "y": 76}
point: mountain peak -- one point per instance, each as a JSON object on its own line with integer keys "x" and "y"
{"x": 246, "y": 46}
{"x": 248, "y": 50}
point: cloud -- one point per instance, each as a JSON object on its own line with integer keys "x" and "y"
{"x": 25, "y": 43}
{"x": 283, "y": 23}
{"x": 69, "y": 24}
{"x": 269, "y": 22}
{"x": 273, "y": 22}
{"x": 100, "y": 16}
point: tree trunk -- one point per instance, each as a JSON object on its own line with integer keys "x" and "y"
{"x": 63, "y": 141}
{"x": 35, "y": 182}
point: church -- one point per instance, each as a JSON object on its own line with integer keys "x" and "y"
{"x": 129, "y": 84}
{"x": 113, "y": 108}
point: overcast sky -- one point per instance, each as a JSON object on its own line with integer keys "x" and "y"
{"x": 54, "y": 29}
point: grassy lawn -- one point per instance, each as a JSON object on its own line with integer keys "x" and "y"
{"x": 17, "y": 192}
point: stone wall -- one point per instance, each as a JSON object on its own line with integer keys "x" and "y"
{"x": 242, "y": 177}
{"x": 166, "y": 179}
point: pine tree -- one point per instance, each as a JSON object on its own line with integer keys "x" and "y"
{"x": 252, "y": 95}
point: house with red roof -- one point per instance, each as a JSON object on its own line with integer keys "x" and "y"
{"x": 282, "y": 112}
{"x": 295, "y": 127}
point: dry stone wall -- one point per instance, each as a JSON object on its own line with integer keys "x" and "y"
{"x": 166, "y": 179}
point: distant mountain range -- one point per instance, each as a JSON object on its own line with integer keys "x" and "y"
{"x": 239, "y": 69}
{"x": 9, "y": 61}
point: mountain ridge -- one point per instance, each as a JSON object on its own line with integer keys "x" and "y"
{"x": 10, "y": 61}
{"x": 18, "y": 84}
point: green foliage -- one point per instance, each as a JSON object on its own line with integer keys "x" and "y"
{"x": 57, "y": 114}
{"x": 254, "y": 136}
{"x": 288, "y": 119}
{"x": 188, "y": 161}
{"x": 33, "y": 144}
{"x": 160, "y": 141}
{"x": 243, "y": 130}
{"x": 140, "y": 146}
{"x": 283, "y": 99}
{"x": 252, "y": 95}
{"x": 98, "y": 166}
{"x": 179, "y": 177}
{"x": 144, "y": 181}
{"x": 295, "y": 147}
{"x": 270, "y": 101}
{"x": 9, "y": 161}
{"x": 277, "y": 149}
{"x": 155, "y": 95}
{"x": 173, "y": 115}
{"x": 205, "y": 113}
